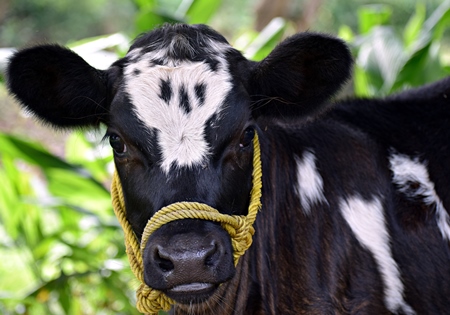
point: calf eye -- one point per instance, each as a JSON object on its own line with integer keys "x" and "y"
{"x": 247, "y": 137}
{"x": 117, "y": 144}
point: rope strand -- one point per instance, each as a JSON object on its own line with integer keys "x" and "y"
{"x": 240, "y": 229}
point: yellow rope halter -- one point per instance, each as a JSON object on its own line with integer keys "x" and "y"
{"x": 240, "y": 228}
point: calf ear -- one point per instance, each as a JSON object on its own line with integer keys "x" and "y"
{"x": 299, "y": 76}
{"x": 58, "y": 86}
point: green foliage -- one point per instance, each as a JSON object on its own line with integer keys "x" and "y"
{"x": 64, "y": 246}
{"x": 26, "y": 21}
{"x": 57, "y": 225}
{"x": 154, "y": 13}
{"x": 388, "y": 60}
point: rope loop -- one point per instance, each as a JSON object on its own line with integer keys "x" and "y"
{"x": 240, "y": 229}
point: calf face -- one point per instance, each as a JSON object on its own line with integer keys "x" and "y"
{"x": 181, "y": 110}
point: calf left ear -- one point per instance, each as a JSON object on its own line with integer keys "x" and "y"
{"x": 58, "y": 86}
{"x": 299, "y": 76}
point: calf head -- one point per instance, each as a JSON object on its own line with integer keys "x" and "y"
{"x": 181, "y": 110}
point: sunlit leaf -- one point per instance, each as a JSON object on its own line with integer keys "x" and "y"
{"x": 144, "y": 4}
{"x": 414, "y": 25}
{"x": 148, "y": 19}
{"x": 266, "y": 40}
{"x": 361, "y": 83}
{"x": 11, "y": 209}
{"x": 95, "y": 157}
{"x": 75, "y": 189}
{"x": 370, "y": 16}
{"x": 200, "y": 11}
{"x": 433, "y": 27}
{"x": 346, "y": 33}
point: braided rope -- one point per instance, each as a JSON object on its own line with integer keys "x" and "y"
{"x": 240, "y": 228}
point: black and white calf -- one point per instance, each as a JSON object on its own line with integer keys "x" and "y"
{"x": 355, "y": 195}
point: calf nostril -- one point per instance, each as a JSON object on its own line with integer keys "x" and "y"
{"x": 212, "y": 255}
{"x": 165, "y": 265}
{"x": 163, "y": 260}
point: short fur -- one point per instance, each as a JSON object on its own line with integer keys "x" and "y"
{"x": 355, "y": 194}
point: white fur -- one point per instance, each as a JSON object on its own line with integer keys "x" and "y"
{"x": 181, "y": 138}
{"x": 309, "y": 182}
{"x": 366, "y": 219}
{"x": 407, "y": 170}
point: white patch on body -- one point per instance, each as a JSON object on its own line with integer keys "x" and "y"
{"x": 309, "y": 182}
{"x": 366, "y": 219}
{"x": 407, "y": 171}
{"x": 181, "y": 134}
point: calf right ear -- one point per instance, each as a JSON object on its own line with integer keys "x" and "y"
{"x": 298, "y": 77}
{"x": 58, "y": 86}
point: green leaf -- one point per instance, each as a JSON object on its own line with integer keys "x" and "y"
{"x": 346, "y": 33}
{"x": 11, "y": 209}
{"x": 370, "y": 16}
{"x": 266, "y": 41}
{"x": 414, "y": 25}
{"x": 361, "y": 83}
{"x": 43, "y": 247}
{"x": 438, "y": 20}
{"x": 75, "y": 189}
{"x": 145, "y": 4}
{"x": 381, "y": 56}
{"x": 90, "y": 155}
{"x": 200, "y": 11}
{"x": 30, "y": 152}
{"x": 149, "y": 18}
{"x": 433, "y": 27}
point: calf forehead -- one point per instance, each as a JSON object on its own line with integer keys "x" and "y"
{"x": 177, "y": 90}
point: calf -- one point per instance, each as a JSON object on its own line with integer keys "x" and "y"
{"x": 355, "y": 198}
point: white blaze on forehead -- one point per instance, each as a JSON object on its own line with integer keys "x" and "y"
{"x": 181, "y": 133}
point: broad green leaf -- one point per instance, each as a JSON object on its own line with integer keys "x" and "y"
{"x": 11, "y": 209}
{"x": 414, "y": 25}
{"x": 30, "y": 152}
{"x": 266, "y": 41}
{"x": 361, "y": 83}
{"x": 370, "y": 16}
{"x": 75, "y": 189}
{"x": 438, "y": 20}
{"x": 200, "y": 11}
{"x": 433, "y": 27}
{"x": 148, "y": 19}
{"x": 65, "y": 298}
{"x": 422, "y": 67}
{"x": 381, "y": 56}
{"x": 31, "y": 226}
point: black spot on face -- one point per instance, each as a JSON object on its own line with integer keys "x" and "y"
{"x": 184, "y": 100}
{"x": 136, "y": 72}
{"x": 166, "y": 91}
{"x": 200, "y": 91}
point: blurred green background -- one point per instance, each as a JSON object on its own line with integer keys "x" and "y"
{"x": 61, "y": 248}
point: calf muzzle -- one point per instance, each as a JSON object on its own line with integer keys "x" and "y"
{"x": 188, "y": 259}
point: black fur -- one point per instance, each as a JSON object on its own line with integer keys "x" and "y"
{"x": 301, "y": 262}
{"x": 166, "y": 91}
{"x": 58, "y": 86}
